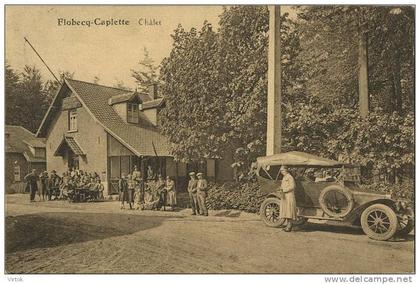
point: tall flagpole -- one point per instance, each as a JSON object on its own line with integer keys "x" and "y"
{"x": 274, "y": 120}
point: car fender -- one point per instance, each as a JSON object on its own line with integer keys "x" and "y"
{"x": 357, "y": 211}
{"x": 275, "y": 194}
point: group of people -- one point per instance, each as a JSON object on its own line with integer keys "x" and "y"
{"x": 197, "y": 190}
{"x": 153, "y": 192}
{"x": 146, "y": 193}
{"x": 53, "y": 186}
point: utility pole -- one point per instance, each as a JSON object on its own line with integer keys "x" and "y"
{"x": 363, "y": 66}
{"x": 274, "y": 119}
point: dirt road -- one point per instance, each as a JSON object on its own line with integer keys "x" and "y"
{"x": 58, "y": 237}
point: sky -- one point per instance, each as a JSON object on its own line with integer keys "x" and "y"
{"x": 96, "y": 51}
{"x": 106, "y": 52}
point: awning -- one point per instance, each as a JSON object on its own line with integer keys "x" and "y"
{"x": 71, "y": 143}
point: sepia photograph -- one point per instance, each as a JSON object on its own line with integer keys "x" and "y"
{"x": 210, "y": 139}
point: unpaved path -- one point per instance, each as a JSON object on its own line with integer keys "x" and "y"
{"x": 58, "y": 237}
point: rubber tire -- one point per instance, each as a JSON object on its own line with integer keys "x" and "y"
{"x": 263, "y": 217}
{"x": 393, "y": 219}
{"x": 345, "y": 192}
{"x": 407, "y": 229}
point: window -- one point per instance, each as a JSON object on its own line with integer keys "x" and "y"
{"x": 73, "y": 120}
{"x": 132, "y": 113}
{"x": 16, "y": 173}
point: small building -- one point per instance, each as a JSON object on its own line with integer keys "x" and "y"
{"x": 24, "y": 152}
{"x": 108, "y": 130}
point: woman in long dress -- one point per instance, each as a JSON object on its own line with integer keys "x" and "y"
{"x": 171, "y": 194}
{"x": 288, "y": 202}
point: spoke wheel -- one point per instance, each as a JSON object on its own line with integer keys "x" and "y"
{"x": 336, "y": 201}
{"x": 379, "y": 222}
{"x": 270, "y": 212}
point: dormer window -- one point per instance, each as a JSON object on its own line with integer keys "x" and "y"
{"x": 132, "y": 113}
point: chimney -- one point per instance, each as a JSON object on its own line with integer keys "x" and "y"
{"x": 153, "y": 91}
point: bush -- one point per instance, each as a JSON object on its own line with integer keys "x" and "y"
{"x": 405, "y": 190}
{"x": 244, "y": 196}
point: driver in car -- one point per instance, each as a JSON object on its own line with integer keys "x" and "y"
{"x": 288, "y": 202}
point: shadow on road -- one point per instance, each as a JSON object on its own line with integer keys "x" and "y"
{"x": 51, "y": 229}
{"x": 313, "y": 227}
{"x": 228, "y": 213}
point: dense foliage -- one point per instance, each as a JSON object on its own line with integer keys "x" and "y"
{"x": 215, "y": 87}
{"x": 28, "y": 96}
{"x": 237, "y": 196}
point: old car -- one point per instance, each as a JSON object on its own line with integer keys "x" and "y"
{"x": 330, "y": 190}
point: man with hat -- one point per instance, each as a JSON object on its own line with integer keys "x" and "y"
{"x": 288, "y": 201}
{"x": 202, "y": 188}
{"x": 32, "y": 183}
{"x": 192, "y": 192}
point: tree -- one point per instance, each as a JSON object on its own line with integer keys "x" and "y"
{"x": 147, "y": 72}
{"x": 11, "y": 93}
{"x": 330, "y": 52}
{"x": 215, "y": 86}
{"x": 193, "y": 116}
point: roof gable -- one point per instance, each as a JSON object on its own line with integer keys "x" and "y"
{"x": 19, "y": 139}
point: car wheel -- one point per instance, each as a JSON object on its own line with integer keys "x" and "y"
{"x": 405, "y": 225}
{"x": 270, "y": 212}
{"x": 379, "y": 222}
{"x": 336, "y": 201}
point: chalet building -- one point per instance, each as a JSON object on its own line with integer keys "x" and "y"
{"x": 108, "y": 130}
{"x": 24, "y": 152}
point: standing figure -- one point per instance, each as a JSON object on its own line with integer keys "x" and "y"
{"x": 131, "y": 185}
{"x": 32, "y": 184}
{"x": 100, "y": 189}
{"x": 137, "y": 196}
{"x": 136, "y": 174}
{"x": 64, "y": 186}
{"x": 170, "y": 192}
{"x": 54, "y": 183}
{"x": 202, "y": 188}
{"x": 150, "y": 173}
{"x": 288, "y": 202}
{"x": 161, "y": 190}
{"x": 192, "y": 192}
{"x": 43, "y": 190}
{"x": 123, "y": 189}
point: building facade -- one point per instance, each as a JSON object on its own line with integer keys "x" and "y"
{"x": 24, "y": 152}
{"x": 109, "y": 131}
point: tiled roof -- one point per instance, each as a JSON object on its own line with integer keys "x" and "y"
{"x": 35, "y": 142}
{"x": 137, "y": 137}
{"x": 131, "y": 96}
{"x": 72, "y": 144}
{"x": 17, "y": 138}
{"x": 152, "y": 104}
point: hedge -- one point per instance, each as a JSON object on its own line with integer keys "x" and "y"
{"x": 247, "y": 197}
{"x": 244, "y": 196}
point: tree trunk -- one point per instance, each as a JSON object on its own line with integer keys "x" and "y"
{"x": 396, "y": 75}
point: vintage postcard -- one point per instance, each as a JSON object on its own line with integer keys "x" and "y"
{"x": 210, "y": 139}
